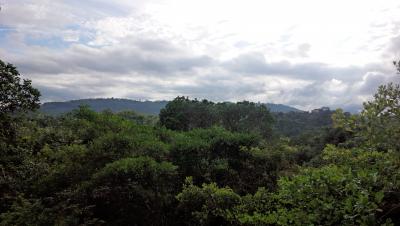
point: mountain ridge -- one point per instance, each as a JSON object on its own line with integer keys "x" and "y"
{"x": 122, "y": 104}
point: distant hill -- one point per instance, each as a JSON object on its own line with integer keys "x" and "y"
{"x": 281, "y": 108}
{"x": 117, "y": 105}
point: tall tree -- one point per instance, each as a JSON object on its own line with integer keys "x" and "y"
{"x": 378, "y": 125}
{"x": 16, "y": 95}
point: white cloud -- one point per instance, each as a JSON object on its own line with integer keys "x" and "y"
{"x": 335, "y": 86}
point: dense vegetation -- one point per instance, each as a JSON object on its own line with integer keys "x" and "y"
{"x": 202, "y": 163}
{"x": 293, "y": 124}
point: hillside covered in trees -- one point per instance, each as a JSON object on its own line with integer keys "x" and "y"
{"x": 197, "y": 163}
{"x": 118, "y": 105}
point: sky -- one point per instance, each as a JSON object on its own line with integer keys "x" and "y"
{"x": 306, "y": 54}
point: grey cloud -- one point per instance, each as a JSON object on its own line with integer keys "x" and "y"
{"x": 394, "y": 46}
{"x": 57, "y": 94}
{"x": 255, "y": 63}
{"x": 124, "y": 58}
{"x": 90, "y": 86}
{"x": 220, "y": 90}
{"x": 141, "y": 86}
{"x": 158, "y": 67}
{"x": 316, "y": 94}
{"x": 155, "y": 45}
{"x": 372, "y": 80}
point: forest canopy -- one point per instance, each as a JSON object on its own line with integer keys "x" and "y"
{"x": 198, "y": 163}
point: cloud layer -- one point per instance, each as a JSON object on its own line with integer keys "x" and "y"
{"x": 258, "y": 51}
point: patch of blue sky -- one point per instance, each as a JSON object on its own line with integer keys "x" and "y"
{"x": 62, "y": 41}
{"x": 85, "y": 35}
{"x": 4, "y": 32}
{"x": 85, "y": 39}
{"x": 53, "y": 42}
{"x": 73, "y": 27}
{"x": 100, "y": 7}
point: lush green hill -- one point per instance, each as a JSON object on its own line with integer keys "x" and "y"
{"x": 282, "y": 108}
{"x": 117, "y": 105}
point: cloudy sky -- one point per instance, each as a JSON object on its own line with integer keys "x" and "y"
{"x": 305, "y": 54}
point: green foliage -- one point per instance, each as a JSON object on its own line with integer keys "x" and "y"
{"x": 184, "y": 114}
{"x": 206, "y": 205}
{"x": 16, "y": 98}
{"x": 353, "y": 188}
{"x": 16, "y": 95}
{"x": 350, "y": 190}
{"x": 24, "y": 212}
{"x": 245, "y": 117}
{"x": 294, "y": 124}
{"x": 329, "y": 196}
{"x": 133, "y": 185}
{"x": 378, "y": 125}
{"x": 230, "y": 159}
{"x": 140, "y": 119}
{"x": 381, "y": 118}
{"x": 309, "y": 132}
{"x": 262, "y": 167}
{"x": 139, "y": 168}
